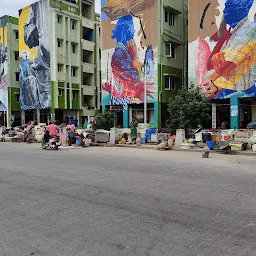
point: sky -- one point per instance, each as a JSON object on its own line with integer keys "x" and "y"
{"x": 7, "y": 6}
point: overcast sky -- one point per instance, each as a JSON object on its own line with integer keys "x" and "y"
{"x": 11, "y": 7}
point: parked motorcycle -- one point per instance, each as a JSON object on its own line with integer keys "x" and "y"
{"x": 51, "y": 142}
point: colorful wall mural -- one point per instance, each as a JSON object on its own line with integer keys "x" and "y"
{"x": 129, "y": 51}
{"x": 34, "y": 48}
{"x": 3, "y": 66}
{"x": 222, "y": 47}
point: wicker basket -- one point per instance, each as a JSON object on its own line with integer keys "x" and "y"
{"x": 113, "y": 3}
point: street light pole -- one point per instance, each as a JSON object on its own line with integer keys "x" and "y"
{"x": 145, "y": 93}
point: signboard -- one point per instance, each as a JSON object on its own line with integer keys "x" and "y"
{"x": 234, "y": 110}
{"x": 72, "y": 6}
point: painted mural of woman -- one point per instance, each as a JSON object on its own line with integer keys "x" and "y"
{"x": 127, "y": 67}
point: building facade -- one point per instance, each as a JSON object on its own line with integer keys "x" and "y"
{"x": 9, "y": 70}
{"x": 142, "y": 46}
{"x": 57, "y": 56}
{"x": 222, "y": 37}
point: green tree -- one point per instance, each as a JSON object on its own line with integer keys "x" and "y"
{"x": 104, "y": 120}
{"x": 188, "y": 109}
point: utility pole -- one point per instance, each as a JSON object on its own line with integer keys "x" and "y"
{"x": 145, "y": 92}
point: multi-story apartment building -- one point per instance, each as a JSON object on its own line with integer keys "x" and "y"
{"x": 9, "y": 70}
{"x": 58, "y": 60}
{"x": 91, "y": 85}
{"x": 142, "y": 44}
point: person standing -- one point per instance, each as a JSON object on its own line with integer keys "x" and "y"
{"x": 71, "y": 133}
{"x": 63, "y": 133}
{"x": 133, "y": 131}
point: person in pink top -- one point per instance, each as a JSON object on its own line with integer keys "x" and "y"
{"x": 71, "y": 132}
{"x": 53, "y": 129}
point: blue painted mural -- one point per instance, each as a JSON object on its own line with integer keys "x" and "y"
{"x": 34, "y": 47}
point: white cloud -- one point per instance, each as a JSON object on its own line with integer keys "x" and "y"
{"x": 7, "y": 6}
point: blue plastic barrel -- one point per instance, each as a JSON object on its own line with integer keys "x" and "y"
{"x": 210, "y": 144}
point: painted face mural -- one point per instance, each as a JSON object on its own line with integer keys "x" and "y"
{"x": 35, "y": 78}
{"x": 3, "y": 66}
{"x": 222, "y": 47}
{"x": 129, "y": 54}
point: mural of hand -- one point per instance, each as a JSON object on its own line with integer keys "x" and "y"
{"x": 138, "y": 90}
{"x": 110, "y": 89}
{"x": 209, "y": 90}
{"x": 132, "y": 49}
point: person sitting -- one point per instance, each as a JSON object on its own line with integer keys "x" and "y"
{"x": 53, "y": 129}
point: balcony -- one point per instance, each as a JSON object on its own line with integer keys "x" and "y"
{"x": 89, "y": 90}
{"x": 87, "y": 23}
{"x": 88, "y": 68}
{"x": 88, "y": 45}
{"x": 61, "y": 58}
{"x": 87, "y": 112}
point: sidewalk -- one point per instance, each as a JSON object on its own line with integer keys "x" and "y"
{"x": 154, "y": 147}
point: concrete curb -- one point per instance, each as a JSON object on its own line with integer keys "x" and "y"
{"x": 151, "y": 147}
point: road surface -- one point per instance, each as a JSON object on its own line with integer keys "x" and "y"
{"x": 121, "y": 202}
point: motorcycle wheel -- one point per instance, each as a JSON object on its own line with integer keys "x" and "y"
{"x": 56, "y": 147}
{"x": 43, "y": 146}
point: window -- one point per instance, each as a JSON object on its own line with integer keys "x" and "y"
{"x": 59, "y": 41}
{"x": 16, "y": 34}
{"x": 72, "y": 24}
{"x": 17, "y": 76}
{"x": 60, "y": 66}
{"x": 73, "y": 71}
{"x": 73, "y": 47}
{"x": 60, "y": 92}
{"x": 59, "y": 19}
{"x": 170, "y": 50}
{"x": 169, "y": 17}
{"x": 74, "y": 95}
{"x": 16, "y": 55}
{"x": 88, "y": 34}
{"x": 17, "y": 97}
{"x": 169, "y": 83}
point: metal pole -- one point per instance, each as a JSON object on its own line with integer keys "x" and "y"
{"x": 7, "y": 118}
{"x": 4, "y": 119}
{"x": 145, "y": 94}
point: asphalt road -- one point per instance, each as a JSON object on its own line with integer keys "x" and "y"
{"x": 114, "y": 201}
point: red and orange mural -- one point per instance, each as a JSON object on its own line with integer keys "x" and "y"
{"x": 222, "y": 47}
